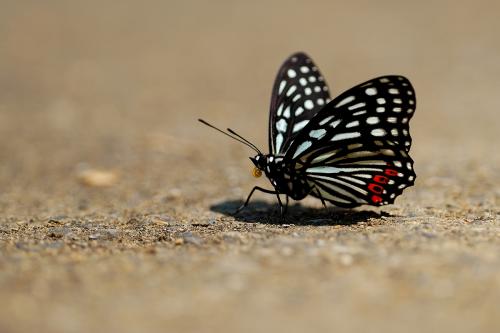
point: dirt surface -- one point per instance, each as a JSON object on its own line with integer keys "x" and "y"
{"x": 115, "y": 203}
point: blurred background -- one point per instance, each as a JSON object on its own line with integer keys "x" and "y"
{"x": 83, "y": 75}
{"x": 117, "y": 86}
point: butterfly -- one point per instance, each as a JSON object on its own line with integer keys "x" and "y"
{"x": 349, "y": 151}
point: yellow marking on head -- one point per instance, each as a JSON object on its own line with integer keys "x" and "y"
{"x": 256, "y": 172}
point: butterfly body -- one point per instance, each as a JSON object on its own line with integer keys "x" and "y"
{"x": 284, "y": 178}
{"x": 349, "y": 151}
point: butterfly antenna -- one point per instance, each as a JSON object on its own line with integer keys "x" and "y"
{"x": 242, "y": 140}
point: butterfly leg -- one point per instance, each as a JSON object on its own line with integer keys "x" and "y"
{"x": 250, "y": 195}
{"x": 282, "y": 211}
{"x": 286, "y": 204}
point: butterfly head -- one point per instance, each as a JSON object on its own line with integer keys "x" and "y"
{"x": 260, "y": 163}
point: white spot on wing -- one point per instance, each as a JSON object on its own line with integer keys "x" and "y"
{"x": 387, "y": 152}
{"x": 280, "y": 110}
{"x": 291, "y": 90}
{"x": 308, "y": 104}
{"x": 299, "y": 111}
{"x": 281, "y": 125}
{"x": 352, "y": 124}
{"x": 304, "y": 69}
{"x": 291, "y": 73}
{"x": 303, "y": 146}
{"x": 371, "y": 91}
{"x": 378, "y": 132}
{"x": 372, "y": 120}
{"x": 303, "y": 81}
{"x": 300, "y": 125}
{"x": 356, "y": 106}
{"x": 279, "y": 142}
{"x": 324, "y": 156}
{"x": 344, "y": 136}
{"x": 346, "y": 100}
{"x": 335, "y": 123}
{"x": 326, "y": 120}
{"x": 282, "y": 86}
{"x": 317, "y": 134}
{"x": 362, "y": 175}
{"x": 286, "y": 114}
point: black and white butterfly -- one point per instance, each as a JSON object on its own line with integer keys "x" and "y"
{"x": 349, "y": 151}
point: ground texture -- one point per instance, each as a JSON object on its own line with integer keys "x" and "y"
{"x": 115, "y": 204}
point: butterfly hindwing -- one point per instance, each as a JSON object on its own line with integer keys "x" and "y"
{"x": 355, "y": 150}
{"x": 356, "y": 175}
{"x": 299, "y": 92}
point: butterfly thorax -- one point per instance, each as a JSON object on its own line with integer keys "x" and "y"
{"x": 284, "y": 177}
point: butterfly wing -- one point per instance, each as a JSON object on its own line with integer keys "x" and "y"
{"x": 299, "y": 92}
{"x": 354, "y": 151}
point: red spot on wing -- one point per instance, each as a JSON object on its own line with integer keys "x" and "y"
{"x": 381, "y": 179}
{"x": 376, "y": 199}
{"x": 375, "y": 188}
{"x": 391, "y": 172}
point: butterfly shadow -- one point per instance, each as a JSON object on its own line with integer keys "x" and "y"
{"x": 268, "y": 213}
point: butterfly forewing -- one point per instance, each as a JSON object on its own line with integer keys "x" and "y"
{"x": 355, "y": 150}
{"x": 299, "y": 92}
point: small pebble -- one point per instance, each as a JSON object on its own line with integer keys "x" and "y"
{"x": 98, "y": 178}
{"x": 174, "y": 193}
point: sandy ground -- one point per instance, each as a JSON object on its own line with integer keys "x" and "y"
{"x": 107, "y": 93}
